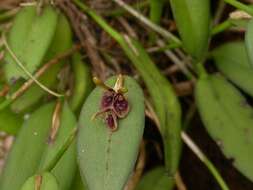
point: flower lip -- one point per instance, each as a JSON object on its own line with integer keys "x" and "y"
{"x": 120, "y": 105}
{"x": 107, "y": 99}
{"x": 111, "y": 121}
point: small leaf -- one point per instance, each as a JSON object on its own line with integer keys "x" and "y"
{"x": 46, "y": 181}
{"x": 106, "y": 159}
{"x": 228, "y": 119}
{"x": 25, "y": 39}
{"x": 155, "y": 179}
{"x": 249, "y": 40}
{"x": 232, "y": 61}
{"x": 193, "y": 23}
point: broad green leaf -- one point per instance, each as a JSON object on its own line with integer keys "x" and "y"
{"x": 156, "y": 179}
{"x": 32, "y": 151}
{"x": 45, "y": 181}
{"x": 166, "y": 103}
{"x": 249, "y": 40}
{"x": 82, "y": 84}
{"x": 30, "y": 38}
{"x": 193, "y": 23}
{"x": 62, "y": 41}
{"x": 77, "y": 183}
{"x": 64, "y": 170}
{"x": 228, "y": 119}
{"x": 25, "y": 155}
{"x": 232, "y": 60}
{"x": 10, "y": 122}
{"x": 106, "y": 159}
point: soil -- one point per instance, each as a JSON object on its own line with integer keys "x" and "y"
{"x": 195, "y": 174}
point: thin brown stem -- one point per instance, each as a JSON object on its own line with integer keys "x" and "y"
{"x": 83, "y": 31}
{"x": 43, "y": 69}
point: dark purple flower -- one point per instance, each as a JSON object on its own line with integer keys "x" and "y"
{"x": 107, "y": 99}
{"x": 120, "y": 105}
{"x": 113, "y": 103}
{"x": 111, "y": 121}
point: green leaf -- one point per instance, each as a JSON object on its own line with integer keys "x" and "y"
{"x": 82, "y": 84}
{"x": 32, "y": 151}
{"x": 48, "y": 182}
{"x": 249, "y": 40}
{"x": 10, "y": 122}
{"x": 155, "y": 14}
{"x": 232, "y": 60}
{"x": 193, "y": 23}
{"x": 64, "y": 171}
{"x": 228, "y": 119}
{"x": 62, "y": 41}
{"x": 156, "y": 179}
{"x": 25, "y": 155}
{"x": 77, "y": 183}
{"x": 106, "y": 159}
{"x": 29, "y": 38}
{"x": 166, "y": 103}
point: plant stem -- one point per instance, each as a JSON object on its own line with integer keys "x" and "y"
{"x": 40, "y": 72}
{"x": 219, "y": 12}
{"x": 8, "y": 14}
{"x": 188, "y": 141}
{"x": 61, "y": 151}
{"x": 240, "y": 6}
{"x": 166, "y": 34}
{"x": 18, "y": 62}
{"x": 176, "y": 60}
{"x": 221, "y": 27}
{"x": 120, "y": 11}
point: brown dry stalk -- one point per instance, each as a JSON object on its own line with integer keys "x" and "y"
{"x": 56, "y": 122}
{"x": 179, "y": 182}
{"x": 184, "y": 88}
{"x": 173, "y": 69}
{"x": 43, "y": 69}
{"x": 5, "y": 90}
{"x": 135, "y": 178}
{"x": 127, "y": 27}
{"x": 38, "y": 182}
{"x": 81, "y": 27}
